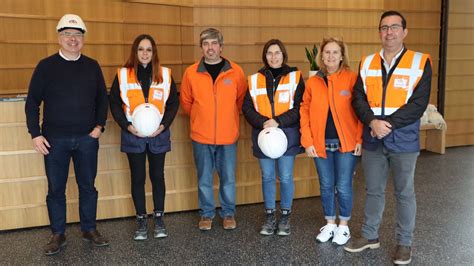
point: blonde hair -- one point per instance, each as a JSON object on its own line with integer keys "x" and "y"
{"x": 344, "y": 64}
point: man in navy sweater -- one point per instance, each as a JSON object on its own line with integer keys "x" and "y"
{"x": 72, "y": 89}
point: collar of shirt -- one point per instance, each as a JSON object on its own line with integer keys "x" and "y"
{"x": 67, "y": 59}
{"x": 394, "y": 59}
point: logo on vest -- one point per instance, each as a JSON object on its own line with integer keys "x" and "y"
{"x": 345, "y": 93}
{"x": 227, "y": 81}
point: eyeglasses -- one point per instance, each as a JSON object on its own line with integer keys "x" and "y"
{"x": 68, "y": 34}
{"x": 394, "y": 27}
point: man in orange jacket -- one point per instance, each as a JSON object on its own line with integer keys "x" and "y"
{"x": 212, "y": 93}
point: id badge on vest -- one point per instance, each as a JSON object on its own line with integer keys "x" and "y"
{"x": 400, "y": 83}
{"x": 157, "y": 95}
{"x": 283, "y": 96}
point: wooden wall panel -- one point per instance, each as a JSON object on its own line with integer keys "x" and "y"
{"x": 459, "y": 108}
{"x": 138, "y": 13}
{"x": 105, "y": 10}
{"x": 16, "y": 7}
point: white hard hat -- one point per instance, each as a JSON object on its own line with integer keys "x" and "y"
{"x": 71, "y": 21}
{"x": 272, "y": 142}
{"x": 146, "y": 119}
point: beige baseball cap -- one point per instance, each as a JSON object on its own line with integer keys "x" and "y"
{"x": 71, "y": 21}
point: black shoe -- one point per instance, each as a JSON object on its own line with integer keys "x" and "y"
{"x": 284, "y": 224}
{"x": 270, "y": 225}
{"x": 160, "y": 228}
{"x": 142, "y": 228}
{"x": 55, "y": 244}
{"x": 95, "y": 238}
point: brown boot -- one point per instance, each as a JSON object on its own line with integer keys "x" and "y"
{"x": 96, "y": 238}
{"x": 402, "y": 255}
{"x": 358, "y": 244}
{"x": 55, "y": 244}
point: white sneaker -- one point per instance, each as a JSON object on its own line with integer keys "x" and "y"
{"x": 327, "y": 232}
{"x": 341, "y": 235}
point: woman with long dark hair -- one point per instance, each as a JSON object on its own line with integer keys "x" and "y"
{"x": 142, "y": 79}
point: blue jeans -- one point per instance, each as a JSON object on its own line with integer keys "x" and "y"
{"x": 287, "y": 186}
{"x": 335, "y": 177}
{"x": 221, "y": 158}
{"x": 83, "y": 151}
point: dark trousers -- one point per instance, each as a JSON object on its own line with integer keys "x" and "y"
{"x": 83, "y": 151}
{"x": 156, "y": 164}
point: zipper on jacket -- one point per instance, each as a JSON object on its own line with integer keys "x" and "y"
{"x": 384, "y": 91}
{"x": 214, "y": 90}
{"x": 386, "y": 79}
{"x": 273, "y": 97}
{"x": 337, "y": 115}
{"x": 272, "y": 102}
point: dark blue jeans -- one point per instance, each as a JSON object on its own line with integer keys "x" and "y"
{"x": 83, "y": 151}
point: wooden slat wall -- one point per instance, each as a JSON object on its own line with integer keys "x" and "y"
{"x": 27, "y": 35}
{"x": 459, "y": 104}
{"x": 248, "y": 24}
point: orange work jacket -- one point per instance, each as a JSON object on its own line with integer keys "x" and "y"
{"x": 317, "y": 100}
{"x": 213, "y": 107}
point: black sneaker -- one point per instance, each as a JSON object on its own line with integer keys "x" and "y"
{"x": 284, "y": 224}
{"x": 142, "y": 228}
{"x": 402, "y": 255}
{"x": 270, "y": 225}
{"x": 160, "y": 228}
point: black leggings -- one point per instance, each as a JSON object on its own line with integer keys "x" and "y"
{"x": 156, "y": 164}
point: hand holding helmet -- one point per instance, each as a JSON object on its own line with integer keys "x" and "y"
{"x": 272, "y": 142}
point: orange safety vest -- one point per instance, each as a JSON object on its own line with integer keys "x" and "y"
{"x": 401, "y": 85}
{"x": 132, "y": 94}
{"x": 283, "y": 99}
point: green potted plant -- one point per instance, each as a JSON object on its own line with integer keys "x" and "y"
{"x": 311, "y": 55}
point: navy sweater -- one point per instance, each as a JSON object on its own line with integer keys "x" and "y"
{"x": 73, "y": 94}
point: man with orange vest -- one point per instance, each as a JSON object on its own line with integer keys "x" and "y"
{"x": 390, "y": 96}
{"x": 212, "y": 92}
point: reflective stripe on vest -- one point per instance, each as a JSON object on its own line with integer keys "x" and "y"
{"x": 283, "y": 98}
{"x": 400, "y": 86}
{"x": 132, "y": 94}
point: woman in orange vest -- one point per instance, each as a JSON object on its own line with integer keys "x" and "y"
{"x": 273, "y": 100}
{"x": 143, "y": 80}
{"x": 332, "y": 135}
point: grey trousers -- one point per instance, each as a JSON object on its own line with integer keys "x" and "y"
{"x": 376, "y": 165}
